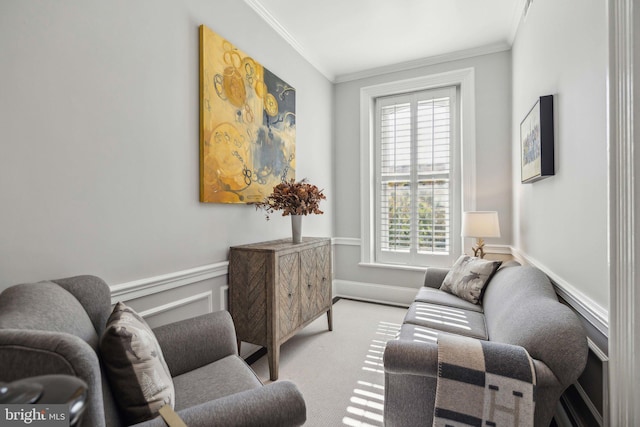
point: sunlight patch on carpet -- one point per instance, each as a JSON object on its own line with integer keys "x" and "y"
{"x": 367, "y": 401}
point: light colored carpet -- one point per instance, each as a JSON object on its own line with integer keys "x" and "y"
{"x": 340, "y": 373}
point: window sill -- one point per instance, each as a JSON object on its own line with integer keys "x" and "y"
{"x": 393, "y": 266}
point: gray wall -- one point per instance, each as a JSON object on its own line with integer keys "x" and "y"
{"x": 493, "y": 159}
{"x": 99, "y": 143}
{"x": 99, "y": 138}
{"x": 560, "y": 223}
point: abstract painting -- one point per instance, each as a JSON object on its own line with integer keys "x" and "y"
{"x": 537, "y": 141}
{"x": 247, "y": 125}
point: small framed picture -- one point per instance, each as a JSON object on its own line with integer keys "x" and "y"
{"x": 536, "y": 141}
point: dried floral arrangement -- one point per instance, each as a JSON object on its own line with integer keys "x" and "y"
{"x": 292, "y": 198}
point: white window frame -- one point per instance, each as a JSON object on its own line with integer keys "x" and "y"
{"x": 465, "y": 152}
{"x": 413, "y": 256}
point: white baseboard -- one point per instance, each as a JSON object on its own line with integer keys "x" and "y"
{"x": 384, "y": 294}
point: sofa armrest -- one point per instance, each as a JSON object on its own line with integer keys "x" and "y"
{"x": 434, "y": 276}
{"x": 411, "y": 357}
{"x": 198, "y": 341}
{"x": 276, "y": 404}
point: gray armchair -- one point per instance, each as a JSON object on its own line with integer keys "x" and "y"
{"x": 54, "y": 328}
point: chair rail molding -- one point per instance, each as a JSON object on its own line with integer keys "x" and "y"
{"x": 152, "y": 285}
{"x": 624, "y": 253}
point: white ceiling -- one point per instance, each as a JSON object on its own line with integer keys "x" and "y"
{"x": 346, "y": 37}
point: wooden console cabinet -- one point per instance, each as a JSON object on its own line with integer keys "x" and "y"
{"x": 276, "y": 288}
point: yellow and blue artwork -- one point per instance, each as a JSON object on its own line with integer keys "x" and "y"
{"x": 247, "y": 125}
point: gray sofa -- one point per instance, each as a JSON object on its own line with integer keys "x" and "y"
{"x": 54, "y": 328}
{"x": 520, "y": 307}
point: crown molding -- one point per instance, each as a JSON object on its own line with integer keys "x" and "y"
{"x": 273, "y": 22}
{"x": 518, "y": 18}
{"x": 277, "y": 26}
{"x": 424, "y": 62}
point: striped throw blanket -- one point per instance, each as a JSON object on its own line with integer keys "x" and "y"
{"x": 483, "y": 384}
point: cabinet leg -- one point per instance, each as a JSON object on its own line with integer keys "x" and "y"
{"x": 330, "y": 318}
{"x": 273, "y": 355}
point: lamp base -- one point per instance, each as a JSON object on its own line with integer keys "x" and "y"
{"x": 478, "y": 251}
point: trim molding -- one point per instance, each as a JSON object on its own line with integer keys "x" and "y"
{"x": 589, "y": 309}
{"x": 465, "y": 78}
{"x": 424, "y": 62}
{"x": 355, "y": 241}
{"x": 273, "y": 22}
{"x": 519, "y": 15}
{"x": 384, "y": 294}
{"x": 179, "y": 303}
{"x": 277, "y": 26}
{"x": 624, "y": 347}
{"x": 224, "y": 290}
{"x": 346, "y": 241}
{"x": 144, "y": 287}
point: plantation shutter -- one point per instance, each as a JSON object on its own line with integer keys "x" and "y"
{"x": 414, "y": 134}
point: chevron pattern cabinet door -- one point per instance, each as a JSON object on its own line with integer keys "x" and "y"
{"x": 288, "y": 291}
{"x": 315, "y": 266}
{"x": 248, "y": 296}
{"x": 276, "y": 288}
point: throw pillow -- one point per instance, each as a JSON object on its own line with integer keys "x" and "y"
{"x": 469, "y": 277}
{"x": 139, "y": 376}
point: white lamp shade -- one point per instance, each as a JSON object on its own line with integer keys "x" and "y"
{"x": 480, "y": 224}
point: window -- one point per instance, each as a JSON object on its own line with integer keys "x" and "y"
{"x": 414, "y": 137}
{"x": 417, "y": 169}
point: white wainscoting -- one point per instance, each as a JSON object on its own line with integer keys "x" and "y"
{"x": 189, "y": 302}
{"x": 152, "y": 285}
{"x": 178, "y": 295}
{"x": 143, "y": 288}
{"x": 586, "y": 307}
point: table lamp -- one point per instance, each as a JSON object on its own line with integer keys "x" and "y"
{"x": 480, "y": 224}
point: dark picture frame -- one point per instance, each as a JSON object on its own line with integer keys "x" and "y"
{"x": 537, "y": 141}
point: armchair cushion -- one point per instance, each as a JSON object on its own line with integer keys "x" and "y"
{"x": 218, "y": 379}
{"x": 192, "y": 343}
{"x": 468, "y": 277}
{"x": 135, "y": 365}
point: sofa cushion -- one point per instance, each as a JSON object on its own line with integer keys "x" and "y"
{"x": 549, "y": 330}
{"x": 135, "y": 365}
{"x": 436, "y": 296}
{"x": 468, "y": 277}
{"x": 417, "y": 333}
{"x": 447, "y": 319}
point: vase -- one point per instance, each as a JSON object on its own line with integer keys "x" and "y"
{"x": 296, "y": 228}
